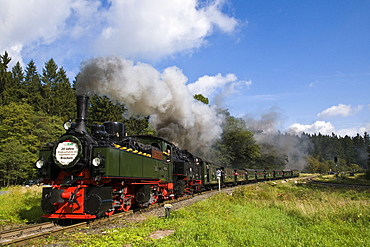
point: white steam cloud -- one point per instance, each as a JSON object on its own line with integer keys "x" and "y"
{"x": 173, "y": 111}
{"x": 287, "y": 145}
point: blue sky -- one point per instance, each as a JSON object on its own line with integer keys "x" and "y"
{"x": 282, "y": 65}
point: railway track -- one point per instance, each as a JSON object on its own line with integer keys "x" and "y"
{"x": 21, "y": 236}
{"x": 14, "y": 235}
{"x": 340, "y": 184}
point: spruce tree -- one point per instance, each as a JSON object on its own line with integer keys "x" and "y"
{"x": 5, "y": 78}
{"x": 103, "y": 109}
{"x": 348, "y": 151}
{"x": 19, "y": 91}
{"x": 49, "y": 79}
{"x": 59, "y": 96}
{"x": 65, "y": 97}
{"x": 33, "y": 87}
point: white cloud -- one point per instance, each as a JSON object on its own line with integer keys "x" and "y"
{"x": 215, "y": 16}
{"x": 340, "y": 110}
{"x": 143, "y": 29}
{"x": 353, "y": 131}
{"x": 209, "y": 85}
{"x": 29, "y": 27}
{"x": 325, "y": 128}
{"x": 150, "y": 29}
{"x": 32, "y": 21}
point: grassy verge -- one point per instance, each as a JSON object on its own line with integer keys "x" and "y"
{"x": 20, "y": 205}
{"x": 266, "y": 214}
{"x": 358, "y": 178}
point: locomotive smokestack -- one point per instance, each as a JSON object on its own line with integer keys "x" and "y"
{"x": 82, "y": 106}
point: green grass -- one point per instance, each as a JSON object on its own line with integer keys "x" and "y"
{"x": 266, "y": 214}
{"x": 20, "y": 205}
{"x": 358, "y": 178}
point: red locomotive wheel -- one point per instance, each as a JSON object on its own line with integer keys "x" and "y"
{"x": 165, "y": 195}
{"x": 109, "y": 213}
{"x": 153, "y": 199}
{"x": 127, "y": 199}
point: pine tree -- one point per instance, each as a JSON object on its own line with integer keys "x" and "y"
{"x": 49, "y": 80}
{"x": 138, "y": 126}
{"x": 19, "y": 91}
{"x": 33, "y": 87}
{"x": 59, "y": 96}
{"x": 103, "y": 109}
{"x": 348, "y": 150}
{"x": 65, "y": 97}
{"x": 367, "y": 147}
{"x": 12, "y": 85}
{"x": 5, "y": 78}
{"x": 360, "y": 150}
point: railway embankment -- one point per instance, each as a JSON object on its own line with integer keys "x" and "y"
{"x": 274, "y": 213}
{"x": 249, "y": 215}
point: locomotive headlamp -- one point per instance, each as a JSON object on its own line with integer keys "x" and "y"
{"x": 96, "y": 161}
{"x": 40, "y": 164}
{"x": 67, "y": 125}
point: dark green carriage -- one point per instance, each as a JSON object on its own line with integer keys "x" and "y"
{"x": 250, "y": 175}
{"x": 269, "y": 174}
{"x": 209, "y": 172}
{"x": 228, "y": 175}
{"x": 260, "y": 175}
{"x": 295, "y": 173}
{"x": 287, "y": 173}
{"x": 278, "y": 174}
{"x": 240, "y": 176}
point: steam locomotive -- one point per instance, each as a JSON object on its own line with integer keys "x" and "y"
{"x": 97, "y": 174}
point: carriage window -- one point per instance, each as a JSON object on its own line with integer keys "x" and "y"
{"x": 156, "y": 145}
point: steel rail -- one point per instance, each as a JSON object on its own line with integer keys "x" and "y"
{"x": 340, "y": 184}
{"x": 8, "y": 236}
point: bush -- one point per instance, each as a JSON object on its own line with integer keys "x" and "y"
{"x": 367, "y": 175}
